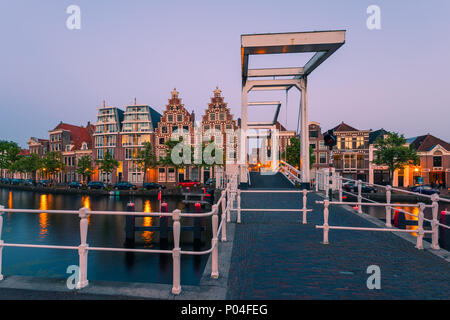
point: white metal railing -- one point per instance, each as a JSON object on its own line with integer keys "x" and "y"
{"x": 291, "y": 173}
{"x": 225, "y": 201}
{"x": 389, "y": 206}
{"x": 304, "y": 209}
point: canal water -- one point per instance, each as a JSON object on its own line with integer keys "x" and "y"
{"x": 103, "y": 231}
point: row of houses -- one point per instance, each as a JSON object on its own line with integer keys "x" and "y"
{"x": 354, "y": 154}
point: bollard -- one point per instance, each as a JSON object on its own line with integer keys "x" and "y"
{"x": 435, "y": 222}
{"x": 164, "y": 225}
{"x": 444, "y": 233}
{"x": 359, "y": 196}
{"x": 129, "y": 224}
{"x": 223, "y": 218}
{"x": 305, "y": 192}
{"x": 420, "y": 233}
{"x": 176, "y": 252}
{"x": 197, "y": 224}
{"x": 388, "y": 207}
{"x": 239, "y": 206}
{"x": 1, "y": 241}
{"x": 326, "y": 227}
{"x": 83, "y": 249}
{"x": 214, "y": 244}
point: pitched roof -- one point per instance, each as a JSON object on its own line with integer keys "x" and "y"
{"x": 427, "y": 142}
{"x": 78, "y": 134}
{"x": 344, "y": 127}
{"x": 374, "y": 135}
{"x": 24, "y": 152}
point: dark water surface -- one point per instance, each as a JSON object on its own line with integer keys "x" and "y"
{"x": 103, "y": 231}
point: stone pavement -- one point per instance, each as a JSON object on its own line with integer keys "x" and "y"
{"x": 276, "y": 257}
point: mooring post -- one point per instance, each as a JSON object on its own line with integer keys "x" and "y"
{"x": 444, "y": 233}
{"x": 223, "y": 217}
{"x": 215, "y": 244}
{"x": 176, "y": 252}
{"x": 197, "y": 223}
{"x": 164, "y": 225}
{"x": 435, "y": 222}
{"x": 129, "y": 224}
{"x": 326, "y": 227}
{"x": 83, "y": 249}
{"x": 420, "y": 231}
{"x": 1, "y": 241}
{"x": 388, "y": 207}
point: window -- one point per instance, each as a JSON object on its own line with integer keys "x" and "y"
{"x": 313, "y": 146}
{"x": 161, "y": 141}
{"x": 321, "y": 144}
{"x": 349, "y": 161}
{"x": 222, "y": 116}
{"x": 170, "y": 118}
{"x": 229, "y": 127}
{"x": 313, "y": 134}
{"x": 179, "y": 117}
{"x": 100, "y": 153}
{"x": 212, "y": 116}
{"x": 217, "y": 127}
{"x": 360, "y": 142}
{"x": 322, "y": 157}
{"x": 186, "y": 128}
{"x": 161, "y": 174}
{"x": 206, "y": 127}
{"x": 164, "y": 129}
{"x": 128, "y": 154}
{"x": 437, "y": 161}
{"x": 348, "y": 143}
{"x": 171, "y": 174}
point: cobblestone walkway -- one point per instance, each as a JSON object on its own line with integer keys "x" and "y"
{"x": 276, "y": 257}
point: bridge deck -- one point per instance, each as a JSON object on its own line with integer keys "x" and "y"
{"x": 276, "y": 257}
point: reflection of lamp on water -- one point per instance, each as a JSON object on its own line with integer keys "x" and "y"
{"x": 43, "y": 216}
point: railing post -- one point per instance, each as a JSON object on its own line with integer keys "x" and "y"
{"x": 214, "y": 243}
{"x": 176, "y": 288}
{"x": 223, "y": 218}
{"x": 1, "y": 241}
{"x": 420, "y": 233}
{"x": 340, "y": 188}
{"x": 317, "y": 180}
{"x": 326, "y": 227}
{"x": 83, "y": 249}
{"x": 435, "y": 223}
{"x": 327, "y": 187}
{"x": 239, "y": 206}
{"x": 305, "y": 192}
{"x": 388, "y": 207}
{"x": 359, "y": 196}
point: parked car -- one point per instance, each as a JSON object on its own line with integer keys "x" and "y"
{"x": 44, "y": 183}
{"x": 5, "y": 180}
{"x": 189, "y": 183}
{"x": 17, "y": 181}
{"x": 29, "y": 182}
{"x": 152, "y": 185}
{"x": 350, "y": 186}
{"x": 425, "y": 189}
{"x": 210, "y": 182}
{"x": 124, "y": 186}
{"x": 75, "y": 185}
{"x": 96, "y": 185}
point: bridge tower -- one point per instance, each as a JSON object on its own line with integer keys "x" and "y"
{"x": 322, "y": 43}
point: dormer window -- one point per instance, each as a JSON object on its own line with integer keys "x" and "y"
{"x": 84, "y": 146}
{"x": 68, "y": 148}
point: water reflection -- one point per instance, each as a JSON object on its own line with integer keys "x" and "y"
{"x": 43, "y": 216}
{"x": 412, "y": 210}
{"x": 147, "y": 222}
{"x": 86, "y": 203}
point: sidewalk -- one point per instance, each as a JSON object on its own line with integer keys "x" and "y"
{"x": 276, "y": 257}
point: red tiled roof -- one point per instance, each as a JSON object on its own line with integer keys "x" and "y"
{"x": 427, "y": 142}
{"x": 24, "y": 152}
{"x": 344, "y": 127}
{"x": 78, "y": 134}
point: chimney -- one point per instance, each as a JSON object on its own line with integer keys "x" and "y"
{"x": 239, "y": 122}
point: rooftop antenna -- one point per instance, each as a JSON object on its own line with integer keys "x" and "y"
{"x": 135, "y": 101}
{"x": 104, "y": 104}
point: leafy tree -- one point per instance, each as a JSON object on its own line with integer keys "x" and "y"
{"x": 176, "y": 157}
{"x": 146, "y": 158}
{"x": 9, "y": 154}
{"x": 392, "y": 152}
{"x": 85, "y": 167}
{"x": 292, "y": 153}
{"x": 28, "y": 164}
{"x": 107, "y": 164}
{"x": 52, "y": 163}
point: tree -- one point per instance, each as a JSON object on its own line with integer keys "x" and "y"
{"x": 146, "y": 158}
{"x": 9, "y": 154}
{"x": 292, "y": 153}
{"x": 107, "y": 164}
{"x": 52, "y": 163}
{"x": 28, "y": 164}
{"x": 85, "y": 167}
{"x": 393, "y": 152}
